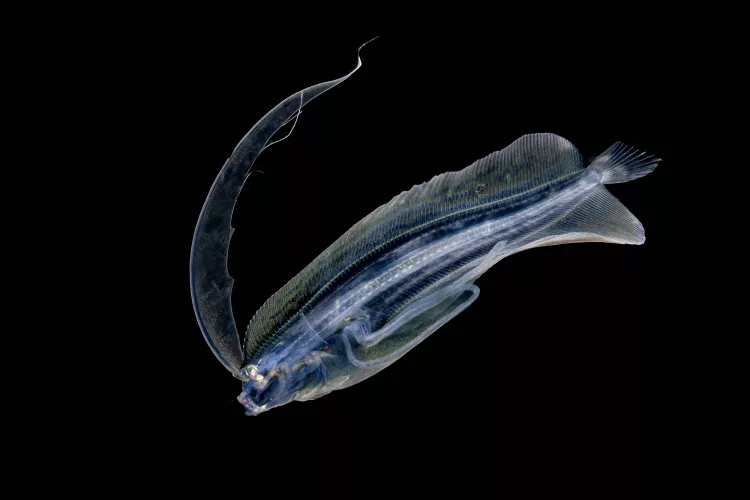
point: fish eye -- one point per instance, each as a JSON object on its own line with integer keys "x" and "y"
{"x": 480, "y": 188}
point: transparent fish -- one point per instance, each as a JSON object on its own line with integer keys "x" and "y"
{"x": 404, "y": 270}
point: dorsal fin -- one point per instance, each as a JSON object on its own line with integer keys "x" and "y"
{"x": 530, "y": 162}
{"x": 210, "y": 283}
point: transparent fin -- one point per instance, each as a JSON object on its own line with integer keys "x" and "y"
{"x": 210, "y": 283}
{"x": 622, "y": 163}
{"x": 410, "y": 327}
{"x": 600, "y": 217}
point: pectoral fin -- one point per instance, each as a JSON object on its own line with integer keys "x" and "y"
{"x": 410, "y": 327}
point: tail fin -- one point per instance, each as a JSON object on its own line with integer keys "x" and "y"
{"x": 621, "y": 163}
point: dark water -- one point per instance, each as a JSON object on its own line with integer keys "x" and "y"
{"x": 541, "y": 376}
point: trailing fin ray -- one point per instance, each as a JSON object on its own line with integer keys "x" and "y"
{"x": 210, "y": 283}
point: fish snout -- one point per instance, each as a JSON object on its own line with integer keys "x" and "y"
{"x": 260, "y": 392}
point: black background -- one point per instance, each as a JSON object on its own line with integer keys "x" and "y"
{"x": 539, "y": 385}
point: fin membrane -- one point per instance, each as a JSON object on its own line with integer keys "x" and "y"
{"x": 622, "y": 163}
{"x": 412, "y": 326}
{"x": 600, "y": 217}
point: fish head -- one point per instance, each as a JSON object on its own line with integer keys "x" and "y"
{"x": 265, "y": 387}
{"x": 303, "y": 366}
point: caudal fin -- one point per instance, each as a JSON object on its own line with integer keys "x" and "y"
{"x": 622, "y": 163}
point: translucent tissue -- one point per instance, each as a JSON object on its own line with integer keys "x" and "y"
{"x": 405, "y": 269}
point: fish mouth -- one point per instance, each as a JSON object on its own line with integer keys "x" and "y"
{"x": 251, "y": 409}
{"x": 260, "y": 393}
{"x": 256, "y": 402}
{"x": 283, "y": 383}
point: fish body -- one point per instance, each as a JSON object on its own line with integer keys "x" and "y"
{"x": 409, "y": 267}
{"x": 405, "y": 269}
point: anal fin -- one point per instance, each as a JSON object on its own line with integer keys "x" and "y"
{"x": 599, "y": 217}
